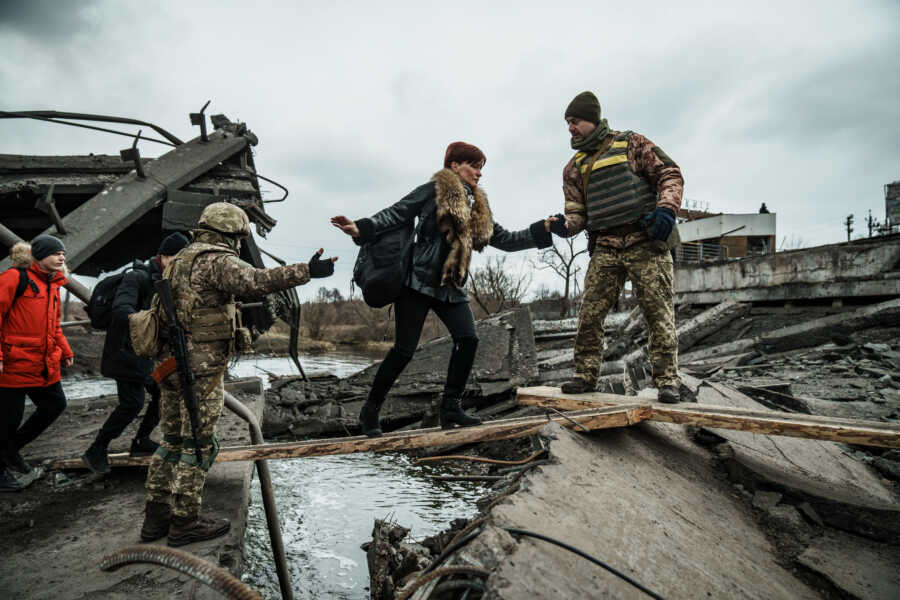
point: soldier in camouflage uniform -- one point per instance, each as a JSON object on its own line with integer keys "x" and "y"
{"x": 625, "y": 191}
{"x": 205, "y": 277}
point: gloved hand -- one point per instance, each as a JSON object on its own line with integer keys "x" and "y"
{"x": 319, "y": 267}
{"x": 558, "y": 226}
{"x": 659, "y": 223}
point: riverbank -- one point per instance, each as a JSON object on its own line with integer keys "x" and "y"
{"x": 55, "y": 532}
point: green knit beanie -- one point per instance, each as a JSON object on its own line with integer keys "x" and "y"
{"x": 584, "y": 106}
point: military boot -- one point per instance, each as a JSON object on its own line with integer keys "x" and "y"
{"x": 452, "y": 414}
{"x": 187, "y": 530}
{"x": 142, "y": 447}
{"x": 96, "y": 459}
{"x": 157, "y": 516}
{"x": 368, "y": 419}
{"x": 17, "y": 463}
{"x": 669, "y": 394}
{"x": 578, "y": 386}
{"x": 8, "y": 481}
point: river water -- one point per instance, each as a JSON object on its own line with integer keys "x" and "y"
{"x": 328, "y": 505}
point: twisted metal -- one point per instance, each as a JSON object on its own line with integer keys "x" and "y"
{"x": 215, "y": 577}
{"x": 454, "y": 570}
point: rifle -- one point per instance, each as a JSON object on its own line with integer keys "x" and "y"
{"x": 178, "y": 346}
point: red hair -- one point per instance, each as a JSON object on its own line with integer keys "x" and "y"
{"x": 462, "y": 152}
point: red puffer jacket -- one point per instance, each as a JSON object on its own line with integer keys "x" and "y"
{"x": 32, "y": 344}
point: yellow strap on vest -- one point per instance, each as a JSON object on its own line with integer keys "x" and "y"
{"x": 609, "y": 160}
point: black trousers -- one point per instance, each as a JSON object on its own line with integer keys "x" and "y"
{"x": 49, "y": 401}
{"x": 410, "y": 311}
{"x": 131, "y": 400}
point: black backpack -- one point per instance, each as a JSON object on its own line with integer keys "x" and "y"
{"x": 382, "y": 265}
{"x": 99, "y": 307}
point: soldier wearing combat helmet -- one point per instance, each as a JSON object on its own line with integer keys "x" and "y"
{"x": 625, "y": 191}
{"x": 205, "y": 278}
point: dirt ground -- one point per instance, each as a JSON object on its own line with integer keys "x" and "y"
{"x": 55, "y": 532}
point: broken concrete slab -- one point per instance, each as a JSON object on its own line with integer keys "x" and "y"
{"x": 505, "y": 359}
{"x": 855, "y": 566}
{"x": 846, "y": 493}
{"x": 665, "y": 520}
{"x": 822, "y": 330}
{"x": 709, "y": 321}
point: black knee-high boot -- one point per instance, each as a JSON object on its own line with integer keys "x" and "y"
{"x": 391, "y": 367}
{"x": 461, "y": 361}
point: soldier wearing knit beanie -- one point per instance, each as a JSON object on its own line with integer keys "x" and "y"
{"x": 584, "y": 106}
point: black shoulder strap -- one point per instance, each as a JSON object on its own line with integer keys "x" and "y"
{"x": 24, "y": 282}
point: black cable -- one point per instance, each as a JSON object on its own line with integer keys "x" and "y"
{"x": 582, "y": 554}
{"x": 451, "y": 549}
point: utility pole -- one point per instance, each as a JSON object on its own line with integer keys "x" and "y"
{"x": 871, "y": 222}
{"x": 848, "y": 222}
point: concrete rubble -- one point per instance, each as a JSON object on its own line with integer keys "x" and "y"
{"x": 691, "y": 512}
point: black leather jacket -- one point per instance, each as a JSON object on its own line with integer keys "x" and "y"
{"x": 431, "y": 248}
{"x": 134, "y": 293}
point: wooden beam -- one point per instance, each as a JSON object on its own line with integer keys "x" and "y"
{"x": 848, "y": 431}
{"x": 621, "y": 415}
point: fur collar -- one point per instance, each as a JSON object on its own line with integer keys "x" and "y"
{"x": 20, "y": 256}
{"x": 464, "y": 229}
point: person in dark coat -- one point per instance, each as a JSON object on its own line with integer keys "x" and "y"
{"x": 32, "y": 349}
{"x": 454, "y": 218}
{"x": 131, "y": 372}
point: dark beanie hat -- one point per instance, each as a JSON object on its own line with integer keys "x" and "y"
{"x": 462, "y": 152}
{"x": 173, "y": 244}
{"x": 584, "y": 106}
{"x": 44, "y": 245}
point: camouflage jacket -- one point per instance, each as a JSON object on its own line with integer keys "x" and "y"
{"x": 646, "y": 160}
{"x": 217, "y": 275}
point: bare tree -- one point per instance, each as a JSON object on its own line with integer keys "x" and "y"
{"x": 495, "y": 288}
{"x": 319, "y": 313}
{"x": 563, "y": 260}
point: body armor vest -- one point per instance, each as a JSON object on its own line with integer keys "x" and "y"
{"x": 614, "y": 194}
{"x": 202, "y": 323}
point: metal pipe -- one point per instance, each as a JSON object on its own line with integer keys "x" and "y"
{"x": 9, "y": 239}
{"x": 268, "y": 494}
{"x": 75, "y": 323}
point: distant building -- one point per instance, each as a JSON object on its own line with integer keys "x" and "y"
{"x": 709, "y": 237}
{"x": 892, "y": 204}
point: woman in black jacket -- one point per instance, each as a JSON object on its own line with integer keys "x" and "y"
{"x": 453, "y": 219}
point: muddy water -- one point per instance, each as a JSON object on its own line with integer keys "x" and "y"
{"x": 328, "y": 505}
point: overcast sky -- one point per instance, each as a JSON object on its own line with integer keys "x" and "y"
{"x": 795, "y": 104}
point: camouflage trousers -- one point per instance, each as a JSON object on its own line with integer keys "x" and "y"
{"x": 651, "y": 272}
{"x": 174, "y": 476}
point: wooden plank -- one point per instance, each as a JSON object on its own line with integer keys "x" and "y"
{"x": 621, "y": 415}
{"x": 848, "y": 431}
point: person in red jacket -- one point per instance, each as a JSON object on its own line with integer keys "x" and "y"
{"x": 32, "y": 348}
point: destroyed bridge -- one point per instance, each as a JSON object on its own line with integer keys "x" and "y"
{"x": 110, "y": 209}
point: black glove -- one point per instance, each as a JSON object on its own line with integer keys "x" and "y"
{"x": 319, "y": 267}
{"x": 558, "y": 226}
{"x": 659, "y": 223}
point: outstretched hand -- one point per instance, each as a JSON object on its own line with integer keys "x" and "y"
{"x": 346, "y": 225}
{"x": 557, "y": 224}
{"x": 319, "y": 267}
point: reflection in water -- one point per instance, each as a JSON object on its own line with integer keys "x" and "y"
{"x": 328, "y": 506}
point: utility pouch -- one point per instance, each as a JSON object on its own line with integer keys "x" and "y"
{"x": 213, "y": 324}
{"x": 143, "y": 327}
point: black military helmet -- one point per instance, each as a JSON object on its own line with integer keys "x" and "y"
{"x": 225, "y": 218}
